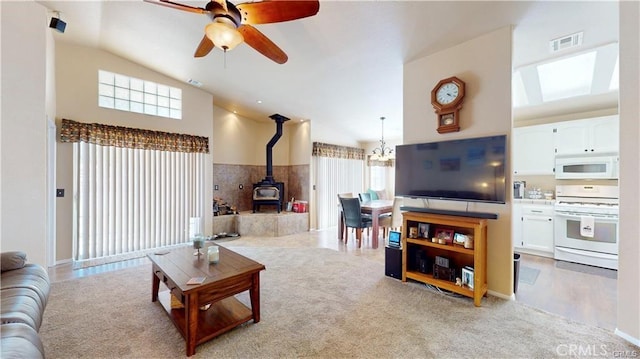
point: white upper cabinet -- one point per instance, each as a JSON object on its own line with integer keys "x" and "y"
{"x": 533, "y": 150}
{"x": 591, "y": 136}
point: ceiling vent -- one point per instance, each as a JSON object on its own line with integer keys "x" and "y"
{"x": 194, "y": 82}
{"x": 566, "y": 42}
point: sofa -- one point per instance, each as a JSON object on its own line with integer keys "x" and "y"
{"x": 24, "y": 291}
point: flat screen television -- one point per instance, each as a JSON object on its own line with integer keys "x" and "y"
{"x": 471, "y": 169}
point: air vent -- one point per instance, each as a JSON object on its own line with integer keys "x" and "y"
{"x": 194, "y": 82}
{"x": 566, "y": 42}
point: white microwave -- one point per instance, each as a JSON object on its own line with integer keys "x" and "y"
{"x": 587, "y": 167}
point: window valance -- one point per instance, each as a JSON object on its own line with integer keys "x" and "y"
{"x": 126, "y": 137}
{"x": 335, "y": 151}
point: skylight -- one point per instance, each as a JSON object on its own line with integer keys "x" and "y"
{"x": 592, "y": 72}
{"x": 567, "y": 77}
{"x": 615, "y": 78}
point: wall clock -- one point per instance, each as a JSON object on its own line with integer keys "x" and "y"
{"x": 447, "y": 97}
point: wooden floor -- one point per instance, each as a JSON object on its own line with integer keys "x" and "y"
{"x": 581, "y": 293}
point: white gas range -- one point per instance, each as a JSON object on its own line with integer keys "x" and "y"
{"x": 586, "y": 224}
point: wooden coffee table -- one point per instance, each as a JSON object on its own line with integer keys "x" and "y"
{"x": 233, "y": 274}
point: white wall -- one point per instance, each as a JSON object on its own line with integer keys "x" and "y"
{"x": 77, "y": 99}
{"x": 242, "y": 141}
{"x": 300, "y": 143}
{"x": 484, "y": 64}
{"x": 26, "y": 103}
{"x": 628, "y": 325}
{"x": 327, "y": 134}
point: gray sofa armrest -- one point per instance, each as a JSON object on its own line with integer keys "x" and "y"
{"x": 12, "y": 260}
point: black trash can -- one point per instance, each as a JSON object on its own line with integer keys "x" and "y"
{"x": 516, "y": 271}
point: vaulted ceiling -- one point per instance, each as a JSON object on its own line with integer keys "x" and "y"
{"x": 345, "y": 64}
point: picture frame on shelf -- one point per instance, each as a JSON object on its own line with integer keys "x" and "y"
{"x": 444, "y": 235}
{"x": 467, "y": 277}
{"x": 459, "y": 239}
{"x": 423, "y": 230}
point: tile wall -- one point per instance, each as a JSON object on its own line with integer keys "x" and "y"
{"x": 228, "y": 178}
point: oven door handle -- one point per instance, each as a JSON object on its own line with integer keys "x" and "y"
{"x": 605, "y": 217}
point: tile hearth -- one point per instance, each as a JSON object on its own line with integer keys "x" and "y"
{"x": 264, "y": 224}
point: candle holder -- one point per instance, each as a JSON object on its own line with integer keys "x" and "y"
{"x": 213, "y": 254}
{"x": 198, "y": 243}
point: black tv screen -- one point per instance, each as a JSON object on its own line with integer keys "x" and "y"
{"x": 464, "y": 170}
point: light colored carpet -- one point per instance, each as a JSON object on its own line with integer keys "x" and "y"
{"x": 316, "y": 303}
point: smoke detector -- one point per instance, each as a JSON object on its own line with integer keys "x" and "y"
{"x": 566, "y": 42}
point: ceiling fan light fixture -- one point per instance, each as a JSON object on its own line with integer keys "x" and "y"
{"x": 223, "y": 35}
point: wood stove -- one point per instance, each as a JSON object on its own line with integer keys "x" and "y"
{"x": 268, "y": 191}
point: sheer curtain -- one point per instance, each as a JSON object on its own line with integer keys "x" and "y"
{"x": 129, "y": 201}
{"x": 338, "y": 169}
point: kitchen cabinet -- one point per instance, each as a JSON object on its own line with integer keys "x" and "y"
{"x": 534, "y": 150}
{"x": 534, "y": 233}
{"x": 516, "y": 224}
{"x": 590, "y": 136}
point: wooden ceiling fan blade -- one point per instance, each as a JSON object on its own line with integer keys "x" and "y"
{"x": 175, "y": 5}
{"x": 206, "y": 45}
{"x": 266, "y": 12}
{"x": 262, "y": 44}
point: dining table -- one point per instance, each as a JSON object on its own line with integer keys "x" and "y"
{"x": 375, "y": 208}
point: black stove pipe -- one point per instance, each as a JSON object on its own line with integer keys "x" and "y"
{"x": 279, "y": 121}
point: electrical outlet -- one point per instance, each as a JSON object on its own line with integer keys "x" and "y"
{"x": 241, "y": 186}
{"x": 215, "y": 187}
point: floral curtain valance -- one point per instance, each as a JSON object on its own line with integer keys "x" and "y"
{"x": 378, "y": 163}
{"x": 126, "y": 137}
{"x": 335, "y": 151}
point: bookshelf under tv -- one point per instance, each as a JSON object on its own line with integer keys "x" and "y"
{"x": 458, "y": 256}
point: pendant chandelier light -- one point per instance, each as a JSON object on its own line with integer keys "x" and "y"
{"x": 382, "y": 153}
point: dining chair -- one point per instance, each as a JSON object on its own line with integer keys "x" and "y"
{"x": 344, "y": 195}
{"x": 364, "y": 197}
{"x": 353, "y": 218}
{"x": 393, "y": 221}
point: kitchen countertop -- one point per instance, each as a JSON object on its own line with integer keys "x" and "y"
{"x": 542, "y": 201}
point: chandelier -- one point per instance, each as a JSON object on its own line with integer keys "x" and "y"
{"x": 382, "y": 153}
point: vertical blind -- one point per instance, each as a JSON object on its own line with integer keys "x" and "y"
{"x": 129, "y": 200}
{"x": 134, "y": 190}
{"x": 338, "y": 169}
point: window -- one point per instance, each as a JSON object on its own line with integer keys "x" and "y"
{"x": 377, "y": 178}
{"x": 120, "y": 92}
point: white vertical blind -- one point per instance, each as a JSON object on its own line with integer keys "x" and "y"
{"x": 333, "y": 176}
{"x": 129, "y": 200}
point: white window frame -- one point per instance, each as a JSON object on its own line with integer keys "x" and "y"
{"x": 124, "y": 93}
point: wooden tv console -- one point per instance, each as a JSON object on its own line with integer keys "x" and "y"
{"x": 458, "y": 255}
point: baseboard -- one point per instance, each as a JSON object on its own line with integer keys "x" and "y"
{"x": 500, "y": 295}
{"x": 64, "y": 261}
{"x": 627, "y": 337}
{"x": 533, "y": 252}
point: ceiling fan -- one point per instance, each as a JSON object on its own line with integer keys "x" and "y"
{"x": 232, "y": 24}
